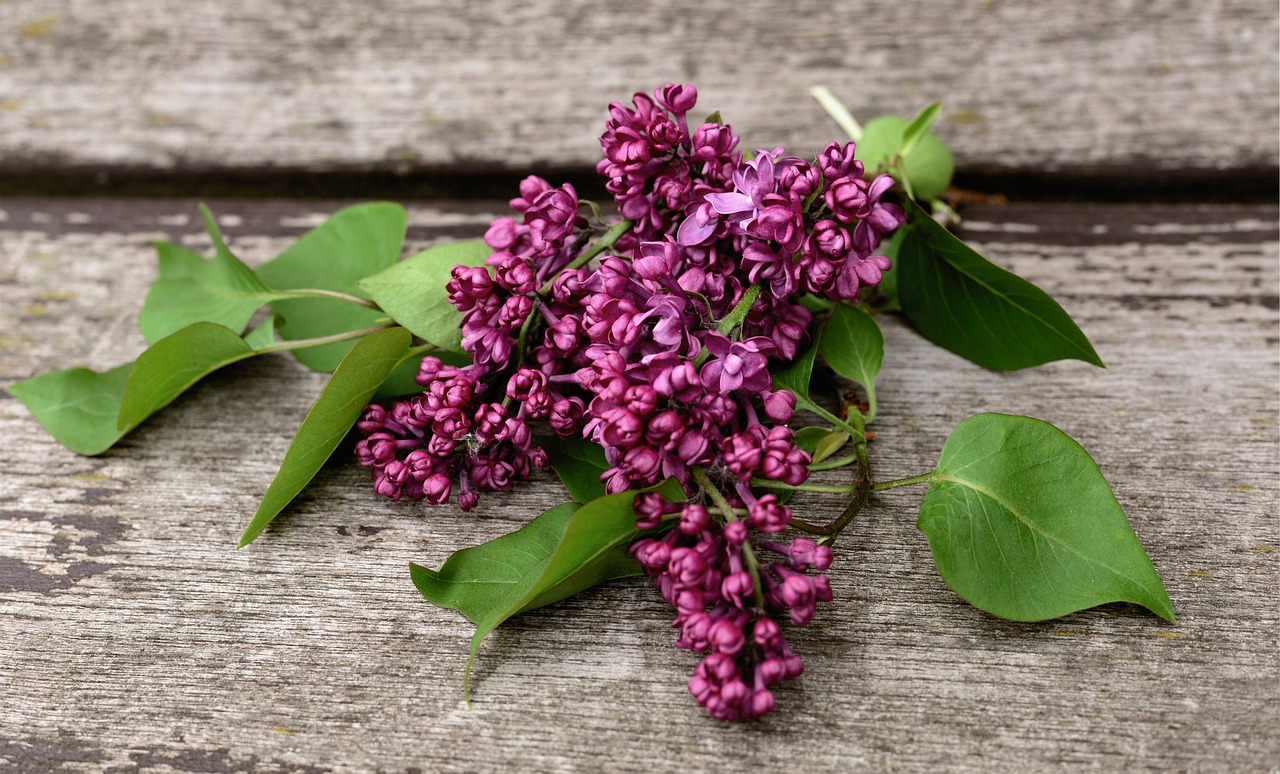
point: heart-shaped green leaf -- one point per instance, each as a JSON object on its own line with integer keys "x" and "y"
{"x": 579, "y": 463}
{"x": 963, "y": 302}
{"x": 413, "y": 293}
{"x": 1022, "y": 524}
{"x": 353, "y": 383}
{"x": 353, "y": 244}
{"x": 564, "y": 551}
{"x": 193, "y": 289}
{"x": 853, "y": 345}
{"x": 77, "y": 406}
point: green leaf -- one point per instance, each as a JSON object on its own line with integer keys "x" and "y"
{"x": 173, "y": 364}
{"x": 193, "y": 289}
{"x": 796, "y": 376}
{"x": 353, "y": 244}
{"x": 560, "y": 553}
{"x": 579, "y": 463}
{"x": 963, "y": 302}
{"x": 77, "y": 406}
{"x": 929, "y": 165}
{"x": 413, "y": 293}
{"x": 1023, "y": 525}
{"x": 339, "y": 406}
{"x": 808, "y": 438}
{"x": 888, "y": 286}
{"x": 830, "y": 443}
{"x": 919, "y": 125}
{"x": 853, "y": 346}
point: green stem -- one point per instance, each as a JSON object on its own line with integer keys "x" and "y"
{"x": 730, "y": 514}
{"x": 828, "y": 488}
{"x": 862, "y": 493}
{"x": 335, "y": 295}
{"x": 739, "y": 312}
{"x": 923, "y": 478}
{"x": 284, "y": 346}
{"x": 857, "y": 433}
{"x": 606, "y": 241}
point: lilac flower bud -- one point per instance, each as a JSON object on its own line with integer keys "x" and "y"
{"x": 525, "y": 382}
{"x": 428, "y": 370}
{"x": 514, "y": 311}
{"x": 451, "y": 423}
{"x": 566, "y": 416}
{"x": 782, "y": 224}
{"x": 760, "y": 703}
{"x": 743, "y": 453}
{"x": 530, "y": 189}
{"x": 830, "y": 240}
{"x": 551, "y": 217}
{"x": 694, "y": 448}
{"x": 664, "y": 430}
{"x": 518, "y": 434}
{"x": 737, "y": 587}
{"x": 491, "y": 474}
{"x": 641, "y": 399}
{"x": 713, "y": 141}
{"x": 621, "y": 428}
{"x": 491, "y": 423}
{"x": 538, "y": 405}
{"x": 695, "y": 632}
{"x": 512, "y": 273}
{"x": 687, "y": 566}
{"x": 690, "y": 600}
{"x": 694, "y": 519}
{"x": 805, "y": 553}
{"x": 420, "y": 464}
{"x": 768, "y": 634}
{"x": 726, "y": 637}
{"x": 436, "y": 488}
{"x": 735, "y": 532}
{"x": 652, "y": 554}
{"x": 798, "y": 593}
{"x": 780, "y": 406}
{"x": 377, "y": 449}
{"x": 488, "y": 348}
{"x": 649, "y": 508}
{"x": 440, "y": 446}
{"x": 467, "y": 500}
{"x": 568, "y": 287}
{"x": 676, "y": 98}
{"x": 837, "y": 161}
{"x": 615, "y": 480}
{"x": 643, "y": 464}
{"x": 847, "y": 198}
{"x": 503, "y": 233}
{"x": 768, "y": 515}
{"x": 372, "y": 420}
{"x": 456, "y": 392}
{"x": 468, "y": 285}
{"x": 385, "y": 483}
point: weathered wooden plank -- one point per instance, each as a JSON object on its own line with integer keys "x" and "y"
{"x": 393, "y": 85}
{"x": 134, "y": 638}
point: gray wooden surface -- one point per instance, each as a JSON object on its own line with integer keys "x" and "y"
{"x": 133, "y": 638}
{"x": 1094, "y": 87}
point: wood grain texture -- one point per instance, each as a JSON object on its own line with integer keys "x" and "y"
{"x": 133, "y": 638}
{"x": 404, "y": 85}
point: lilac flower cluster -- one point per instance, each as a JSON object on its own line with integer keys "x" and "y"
{"x": 729, "y": 599}
{"x": 659, "y": 352}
